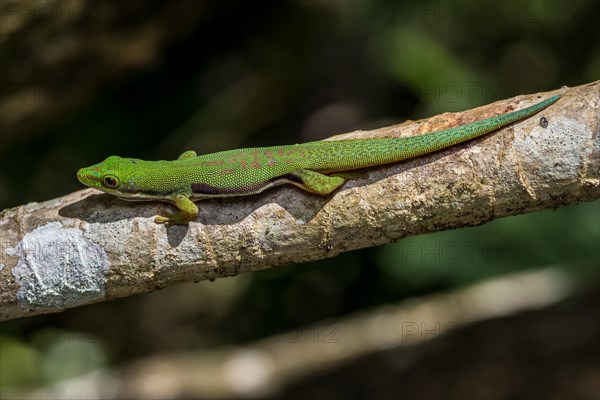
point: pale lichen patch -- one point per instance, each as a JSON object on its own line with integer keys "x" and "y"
{"x": 59, "y": 267}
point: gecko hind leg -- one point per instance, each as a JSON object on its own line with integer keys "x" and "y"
{"x": 316, "y": 182}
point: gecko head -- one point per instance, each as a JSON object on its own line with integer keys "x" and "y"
{"x": 112, "y": 175}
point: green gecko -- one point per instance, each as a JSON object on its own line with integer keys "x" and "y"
{"x": 317, "y": 167}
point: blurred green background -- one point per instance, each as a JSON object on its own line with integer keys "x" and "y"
{"x": 151, "y": 79}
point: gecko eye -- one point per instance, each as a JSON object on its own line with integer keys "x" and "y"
{"x": 110, "y": 182}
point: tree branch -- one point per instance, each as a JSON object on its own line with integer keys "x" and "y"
{"x": 87, "y": 247}
{"x": 263, "y": 368}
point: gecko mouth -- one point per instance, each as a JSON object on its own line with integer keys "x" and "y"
{"x": 87, "y": 177}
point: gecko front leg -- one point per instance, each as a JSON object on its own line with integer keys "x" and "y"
{"x": 187, "y": 212}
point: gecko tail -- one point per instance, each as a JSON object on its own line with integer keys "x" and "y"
{"x": 422, "y": 144}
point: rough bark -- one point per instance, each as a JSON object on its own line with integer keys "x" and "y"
{"x": 87, "y": 247}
